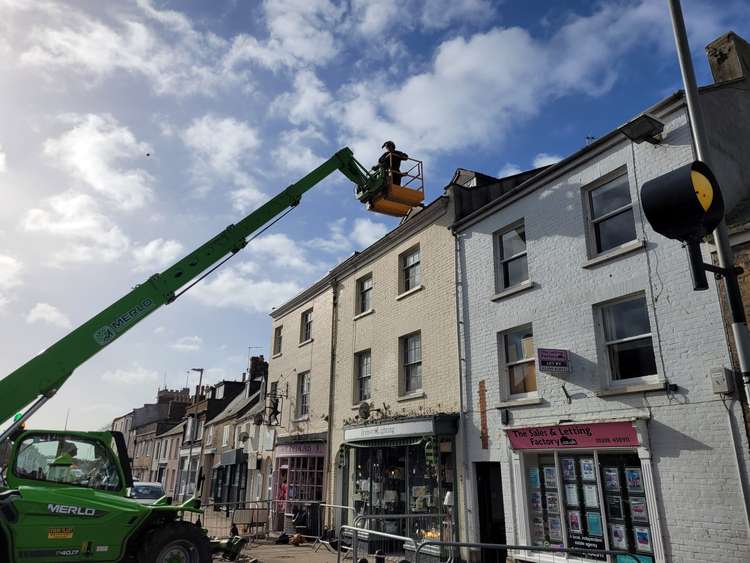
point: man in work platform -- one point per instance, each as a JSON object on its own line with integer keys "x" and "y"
{"x": 390, "y": 162}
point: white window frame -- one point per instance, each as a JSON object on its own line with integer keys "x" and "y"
{"x": 361, "y": 292}
{"x": 506, "y": 365}
{"x": 305, "y": 325}
{"x": 209, "y": 435}
{"x": 358, "y": 357}
{"x": 303, "y": 395}
{"x": 501, "y": 261}
{"x": 225, "y": 436}
{"x": 404, "y": 269}
{"x": 403, "y": 345}
{"x": 604, "y": 344}
{"x": 278, "y": 339}
{"x": 591, "y": 239}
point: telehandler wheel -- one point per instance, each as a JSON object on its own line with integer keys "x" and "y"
{"x": 178, "y": 542}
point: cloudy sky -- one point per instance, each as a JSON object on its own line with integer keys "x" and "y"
{"x": 134, "y": 131}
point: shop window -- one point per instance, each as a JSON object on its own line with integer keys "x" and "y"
{"x": 277, "y": 338}
{"x": 512, "y": 264}
{"x": 303, "y": 394}
{"x": 305, "y": 328}
{"x": 610, "y": 214}
{"x": 627, "y": 338}
{"x": 410, "y": 264}
{"x": 575, "y": 499}
{"x": 364, "y": 294}
{"x": 411, "y": 355}
{"x": 364, "y": 376}
{"x": 520, "y": 365}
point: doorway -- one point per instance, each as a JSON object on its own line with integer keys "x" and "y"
{"x": 491, "y": 511}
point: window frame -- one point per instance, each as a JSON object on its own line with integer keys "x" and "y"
{"x": 604, "y": 344}
{"x": 506, "y": 365}
{"x": 358, "y": 398}
{"x": 278, "y": 339}
{"x": 501, "y": 261}
{"x": 592, "y": 241}
{"x": 405, "y": 366}
{"x": 302, "y": 407}
{"x": 361, "y": 291}
{"x": 305, "y": 325}
{"x": 225, "y": 435}
{"x": 404, "y": 269}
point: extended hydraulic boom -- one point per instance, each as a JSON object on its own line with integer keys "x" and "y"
{"x": 41, "y": 377}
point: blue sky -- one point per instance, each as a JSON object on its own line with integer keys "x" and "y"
{"x": 134, "y": 131}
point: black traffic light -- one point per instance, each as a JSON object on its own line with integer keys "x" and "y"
{"x": 685, "y": 204}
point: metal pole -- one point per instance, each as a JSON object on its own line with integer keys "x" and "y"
{"x": 721, "y": 238}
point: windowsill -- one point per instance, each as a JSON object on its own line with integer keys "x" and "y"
{"x": 519, "y": 288}
{"x": 363, "y": 314}
{"x": 411, "y": 396}
{"x": 621, "y": 250}
{"x": 413, "y": 290}
{"x": 276, "y": 355}
{"x": 510, "y": 403}
{"x": 302, "y": 418}
{"x": 634, "y": 387}
{"x": 304, "y": 343}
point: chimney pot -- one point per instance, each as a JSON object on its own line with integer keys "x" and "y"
{"x": 729, "y": 57}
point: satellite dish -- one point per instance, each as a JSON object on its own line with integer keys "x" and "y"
{"x": 244, "y": 436}
{"x": 364, "y": 410}
{"x": 258, "y": 419}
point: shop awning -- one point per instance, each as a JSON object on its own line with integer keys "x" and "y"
{"x": 386, "y": 443}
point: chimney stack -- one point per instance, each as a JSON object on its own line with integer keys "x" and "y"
{"x": 729, "y": 57}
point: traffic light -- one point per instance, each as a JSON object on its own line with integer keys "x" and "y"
{"x": 685, "y": 204}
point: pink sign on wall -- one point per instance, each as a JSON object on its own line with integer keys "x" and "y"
{"x": 558, "y": 436}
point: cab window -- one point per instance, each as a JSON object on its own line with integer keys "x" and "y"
{"x": 69, "y": 460}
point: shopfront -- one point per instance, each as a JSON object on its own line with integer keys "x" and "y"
{"x": 405, "y": 469}
{"x": 297, "y": 480}
{"x": 586, "y": 486}
{"x": 230, "y": 478}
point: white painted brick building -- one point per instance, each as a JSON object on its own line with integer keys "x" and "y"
{"x": 666, "y": 484}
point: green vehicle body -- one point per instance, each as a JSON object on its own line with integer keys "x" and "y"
{"x": 43, "y": 521}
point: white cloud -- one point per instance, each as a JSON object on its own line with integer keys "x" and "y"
{"x": 300, "y": 33}
{"x": 3, "y": 166}
{"x": 508, "y": 169}
{"x": 46, "y": 313}
{"x": 294, "y": 152}
{"x": 440, "y": 14}
{"x": 336, "y": 242}
{"x": 246, "y": 199}
{"x": 307, "y": 103}
{"x": 162, "y": 47}
{"x": 188, "y": 344}
{"x": 281, "y": 251}
{"x": 76, "y": 219}
{"x": 220, "y": 147}
{"x": 234, "y": 288}
{"x": 93, "y": 152}
{"x": 156, "y": 254}
{"x": 367, "y": 231}
{"x": 160, "y": 330}
{"x": 373, "y": 18}
{"x": 10, "y": 276}
{"x": 544, "y": 159}
{"x": 134, "y": 375}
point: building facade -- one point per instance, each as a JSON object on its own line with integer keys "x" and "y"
{"x": 590, "y": 362}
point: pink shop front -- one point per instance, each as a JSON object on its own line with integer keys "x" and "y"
{"x": 586, "y": 486}
{"x": 297, "y": 482}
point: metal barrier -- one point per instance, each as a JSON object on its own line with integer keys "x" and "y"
{"x": 331, "y": 518}
{"x": 505, "y": 547}
{"x": 356, "y": 536}
{"x": 416, "y": 526}
{"x": 248, "y": 519}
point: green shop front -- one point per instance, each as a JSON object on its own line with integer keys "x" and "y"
{"x": 401, "y": 477}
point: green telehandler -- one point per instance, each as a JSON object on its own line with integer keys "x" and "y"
{"x": 63, "y": 495}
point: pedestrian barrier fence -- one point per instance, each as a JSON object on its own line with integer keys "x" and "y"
{"x": 446, "y": 551}
{"x": 248, "y": 519}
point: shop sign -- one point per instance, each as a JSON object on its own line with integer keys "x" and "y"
{"x": 552, "y": 360}
{"x": 375, "y": 431}
{"x": 309, "y": 449}
{"x": 593, "y": 435}
{"x": 587, "y": 542}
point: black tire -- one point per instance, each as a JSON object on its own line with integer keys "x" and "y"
{"x": 178, "y": 542}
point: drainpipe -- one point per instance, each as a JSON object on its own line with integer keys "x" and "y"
{"x": 332, "y": 388}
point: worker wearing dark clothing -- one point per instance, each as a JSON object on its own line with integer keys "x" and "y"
{"x": 390, "y": 162}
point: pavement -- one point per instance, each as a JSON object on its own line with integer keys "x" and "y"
{"x": 272, "y": 553}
